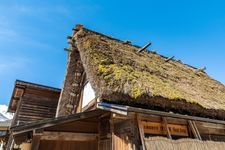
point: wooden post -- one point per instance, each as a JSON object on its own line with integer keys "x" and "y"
{"x": 112, "y": 132}
{"x": 166, "y": 127}
{"x": 141, "y": 131}
{"x": 35, "y": 142}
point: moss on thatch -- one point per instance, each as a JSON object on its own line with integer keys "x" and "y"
{"x": 119, "y": 73}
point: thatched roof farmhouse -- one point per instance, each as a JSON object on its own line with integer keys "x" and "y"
{"x": 120, "y": 74}
{"x": 120, "y": 96}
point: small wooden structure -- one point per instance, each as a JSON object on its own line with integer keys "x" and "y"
{"x": 31, "y": 102}
{"x": 118, "y": 97}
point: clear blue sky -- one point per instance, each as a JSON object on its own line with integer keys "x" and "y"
{"x": 33, "y": 34}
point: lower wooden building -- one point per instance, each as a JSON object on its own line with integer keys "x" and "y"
{"x": 111, "y": 126}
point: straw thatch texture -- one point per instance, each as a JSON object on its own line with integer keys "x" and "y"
{"x": 119, "y": 74}
{"x": 161, "y": 143}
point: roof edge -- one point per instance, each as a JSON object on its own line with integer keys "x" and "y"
{"x": 31, "y": 84}
{"x": 24, "y": 84}
{"x": 79, "y": 27}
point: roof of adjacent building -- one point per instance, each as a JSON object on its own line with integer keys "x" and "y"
{"x": 119, "y": 73}
{"x": 5, "y": 123}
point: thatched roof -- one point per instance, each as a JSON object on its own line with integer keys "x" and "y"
{"x": 120, "y": 74}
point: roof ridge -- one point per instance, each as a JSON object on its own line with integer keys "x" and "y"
{"x": 81, "y": 27}
{"x": 35, "y": 84}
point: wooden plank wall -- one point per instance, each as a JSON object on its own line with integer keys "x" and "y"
{"x": 68, "y": 145}
{"x": 105, "y": 141}
{"x": 126, "y": 135}
{"x": 36, "y": 104}
{"x": 105, "y": 144}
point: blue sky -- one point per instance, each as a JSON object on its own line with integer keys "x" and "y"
{"x": 33, "y": 34}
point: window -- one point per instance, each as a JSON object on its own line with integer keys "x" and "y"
{"x": 88, "y": 95}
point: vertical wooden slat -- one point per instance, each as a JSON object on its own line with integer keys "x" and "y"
{"x": 196, "y": 129}
{"x": 166, "y": 126}
{"x": 141, "y": 131}
{"x": 112, "y": 132}
{"x": 35, "y": 142}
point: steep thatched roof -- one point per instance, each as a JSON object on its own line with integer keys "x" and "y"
{"x": 119, "y": 74}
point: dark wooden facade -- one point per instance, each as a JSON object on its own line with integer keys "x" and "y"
{"x": 32, "y": 102}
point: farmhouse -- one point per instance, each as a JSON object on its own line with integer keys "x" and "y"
{"x": 120, "y": 96}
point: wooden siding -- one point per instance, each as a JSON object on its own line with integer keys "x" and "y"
{"x": 36, "y": 104}
{"x": 122, "y": 142}
{"x": 105, "y": 144}
{"x": 68, "y": 145}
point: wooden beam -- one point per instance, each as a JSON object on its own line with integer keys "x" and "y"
{"x": 200, "y": 70}
{"x": 120, "y": 117}
{"x": 196, "y": 129}
{"x": 68, "y": 136}
{"x": 69, "y": 37}
{"x": 112, "y": 108}
{"x": 35, "y": 142}
{"x": 143, "y": 48}
{"x": 173, "y": 115}
{"x": 68, "y": 50}
{"x": 141, "y": 131}
{"x": 166, "y": 127}
{"x": 170, "y": 58}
